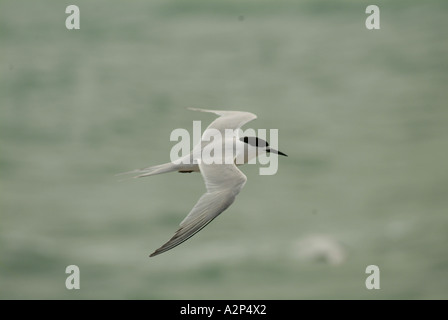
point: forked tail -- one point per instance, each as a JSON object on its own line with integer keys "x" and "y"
{"x": 151, "y": 171}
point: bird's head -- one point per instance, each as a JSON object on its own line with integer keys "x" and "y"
{"x": 261, "y": 145}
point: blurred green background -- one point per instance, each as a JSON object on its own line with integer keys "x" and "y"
{"x": 362, "y": 115}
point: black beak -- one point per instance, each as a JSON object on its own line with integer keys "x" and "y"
{"x": 276, "y": 151}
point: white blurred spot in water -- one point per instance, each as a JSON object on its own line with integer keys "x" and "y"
{"x": 319, "y": 247}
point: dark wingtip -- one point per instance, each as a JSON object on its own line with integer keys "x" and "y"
{"x": 156, "y": 253}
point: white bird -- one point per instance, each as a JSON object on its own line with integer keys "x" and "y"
{"x": 223, "y": 180}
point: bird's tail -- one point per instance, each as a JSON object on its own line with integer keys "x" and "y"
{"x": 150, "y": 171}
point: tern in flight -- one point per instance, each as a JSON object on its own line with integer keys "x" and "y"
{"x": 223, "y": 180}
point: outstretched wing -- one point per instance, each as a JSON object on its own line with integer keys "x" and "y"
{"x": 223, "y": 182}
{"x": 228, "y": 119}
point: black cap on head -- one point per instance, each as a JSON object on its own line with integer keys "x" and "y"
{"x": 255, "y": 142}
